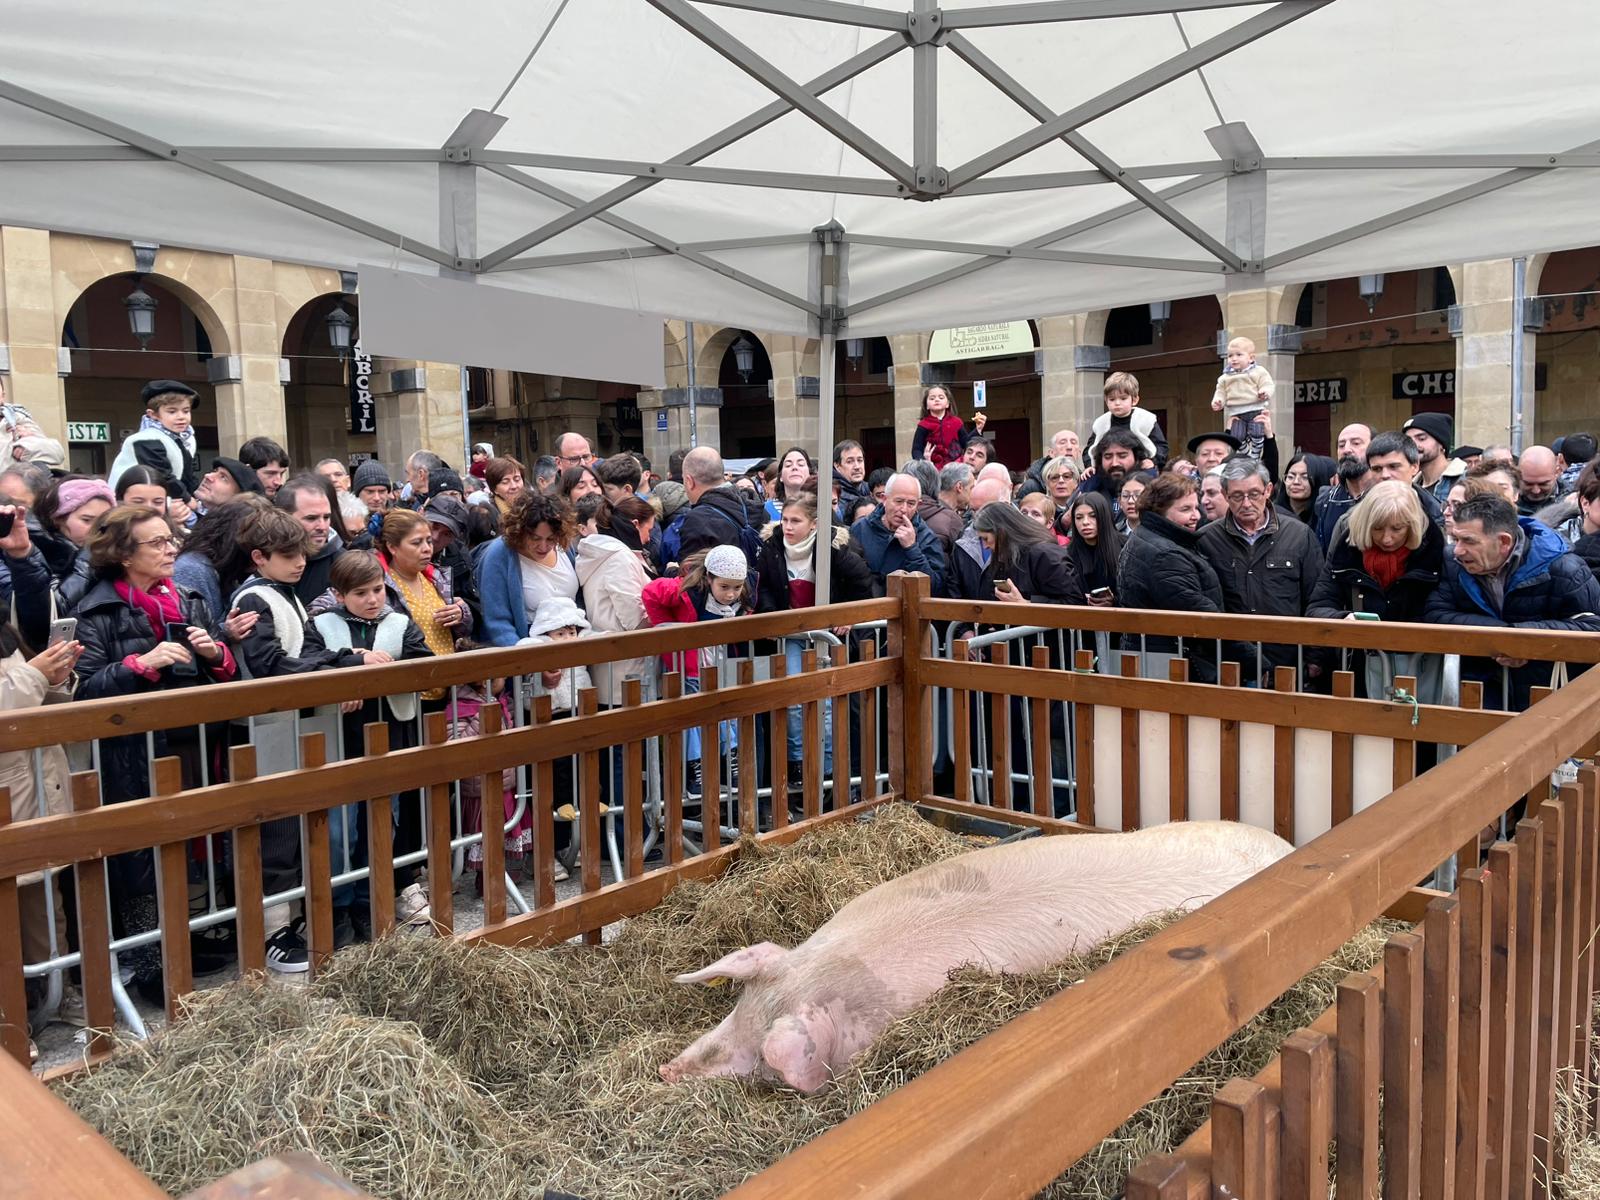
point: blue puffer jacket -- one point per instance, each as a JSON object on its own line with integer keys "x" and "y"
{"x": 885, "y": 555}
{"x": 1552, "y": 588}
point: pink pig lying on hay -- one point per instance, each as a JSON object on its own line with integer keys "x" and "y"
{"x": 1014, "y": 908}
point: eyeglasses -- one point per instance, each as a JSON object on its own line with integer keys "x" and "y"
{"x": 577, "y": 460}
{"x": 166, "y": 543}
{"x": 1254, "y": 496}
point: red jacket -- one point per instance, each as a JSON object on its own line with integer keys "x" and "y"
{"x": 947, "y": 436}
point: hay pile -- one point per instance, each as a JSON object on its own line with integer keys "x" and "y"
{"x": 427, "y": 1070}
{"x": 1581, "y": 1179}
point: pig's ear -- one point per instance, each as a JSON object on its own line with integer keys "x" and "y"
{"x": 798, "y": 1048}
{"x": 741, "y": 964}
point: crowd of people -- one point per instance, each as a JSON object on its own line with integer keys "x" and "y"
{"x": 177, "y": 573}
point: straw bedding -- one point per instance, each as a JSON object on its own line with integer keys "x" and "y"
{"x": 427, "y": 1070}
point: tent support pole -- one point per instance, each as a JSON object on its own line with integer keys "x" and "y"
{"x": 831, "y": 295}
{"x": 1519, "y": 298}
{"x": 688, "y": 357}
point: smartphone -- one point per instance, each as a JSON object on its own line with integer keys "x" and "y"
{"x": 178, "y": 632}
{"x": 1361, "y": 616}
{"x": 63, "y": 630}
{"x": 1101, "y": 591}
{"x": 7, "y": 520}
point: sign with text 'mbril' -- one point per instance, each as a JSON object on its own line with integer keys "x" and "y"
{"x": 363, "y": 410}
{"x": 981, "y": 341}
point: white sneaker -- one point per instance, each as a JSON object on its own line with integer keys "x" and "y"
{"x": 411, "y": 906}
{"x": 561, "y": 874}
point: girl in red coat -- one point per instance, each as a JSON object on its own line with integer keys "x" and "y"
{"x": 941, "y": 436}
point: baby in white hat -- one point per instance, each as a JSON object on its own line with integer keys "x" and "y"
{"x": 558, "y": 619}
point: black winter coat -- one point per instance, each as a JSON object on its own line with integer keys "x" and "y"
{"x": 69, "y": 567}
{"x": 1162, "y": 568}
{"x": 851, "y": 580}
{"x": 261, "y": 653}
{"x": 716, "y": 519}
{"x": 1345, "y": 587}
{"x": 111, "y": 629}
{"x": 1270, "y": 577}
{"x": 1044, "y": 573}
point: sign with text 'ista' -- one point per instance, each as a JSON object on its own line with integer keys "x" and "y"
{"x": 88, "y": 431}
{"x": 981, "y": 341}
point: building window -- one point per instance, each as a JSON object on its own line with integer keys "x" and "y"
{"x": 1129, "y": 326}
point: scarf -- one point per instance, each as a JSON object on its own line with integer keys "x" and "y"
{"x": 184, "y": 439}
{"x": 160, "y": 605}
{"x": 713, "y": 605}
{"x": 797, "y": 556}
{"x": 1385, "y": 566}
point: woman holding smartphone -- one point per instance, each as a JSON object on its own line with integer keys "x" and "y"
{"x": 1029, "y": 567}
{"x": 141, "y": 632}
{"x": 1095, "y": 547}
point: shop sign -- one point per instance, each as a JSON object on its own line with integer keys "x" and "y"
{"x": 981, "y": 341}
{"x": 88, "y": 431}
{"x": 1412, "y": 385}
{"x": 1321, "y": 391}
{"x": 363, "y": 410}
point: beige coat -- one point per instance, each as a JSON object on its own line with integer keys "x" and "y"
{"x": 613, "y": 579}
{"x": 21, "y": 686}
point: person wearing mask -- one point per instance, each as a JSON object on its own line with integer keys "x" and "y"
{"x": 1267, "y": 566}
{"x": 1511, "y": 572}
{"x": 1095, "y": 548}
{"x": 526, "y": 565}
{"x": 1386, "y": 561}
{"x": 894, "y": 538}
{"x": 613, "y": 568}
{"x": 1303, "y": 480}
{"x": 1162, "y": 568}
{"x": 142, "y": 633}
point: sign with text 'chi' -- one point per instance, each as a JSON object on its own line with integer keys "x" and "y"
{"x": 981, "y": 341}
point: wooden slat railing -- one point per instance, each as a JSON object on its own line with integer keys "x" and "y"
{"x": 1466, "y": 1114}
{"x": 1005, "y": 1116}
{"x": 118, "y": 716}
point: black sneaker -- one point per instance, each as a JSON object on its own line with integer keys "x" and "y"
{"x": 212, "y": 950}
{"x": 286, "y": 949}
{"x": 361, "y": 922}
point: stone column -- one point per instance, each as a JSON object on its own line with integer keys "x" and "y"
{"x": 248, "y": 382}
{"x": 1483, "y": 356}
{"x": 419, "y": 408}
{"x": 1259, "y": 315}
{"x": 29, "y": 329}
{"x": 795, "y": 394}
{"x": 1072, "y": 376}
{"x": 660, "y": 444}
{"x": 909, "y": 351}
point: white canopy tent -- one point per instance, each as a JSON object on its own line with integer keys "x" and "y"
{"x": 971, "y": 163}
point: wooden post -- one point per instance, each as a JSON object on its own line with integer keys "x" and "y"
{"x": 1440, "y": 1045}
{"x": 1359, "y": 1071}
{"x": 999, "y": 735}
{"x": 1307, "y": 1114}
{"x": 316, "y": 867}
{"x": 911, "y": 735}
{"x": 1501, "y": 1016}
{"x": 633, "y": 785}
{"x": 778, "y": 747}
{"x": 1228, "y": 755}
{"x": 1557, "y": 831}
{"x": 380, "y": 840}
{"x": 1083, "y": 717}
{"x": 588, "y": 830}
{"x": 13, "y": 990}
{"x": 1159, "y": 1177}
{"x": 1530, "y": 921}
{"x": 1342, "y": 767}
{"x": 172, "y": 895}
{"x": 1044, "y": 802}
{"x": 710, "y": 770}
{"x": 840, "y": 706}
{"x": 672, "y": 778}
{"x": 1283, "y": 680}
{"x": 1178, "y": 749}
{"x": 1129, "y": 665}
{"x": 810, "y": 741}
{"x": 94, "y": 926}
{"x": 1402, "y": 1065}
{"x": 1473, "y": 1065}
{"x": 747, "y": 768}
{"x": 543, "y": 850}
{"x": 1239, "y": 1140}
{"x": 960, "y": 719}
{"x": 869, "y": 729}
{"x": 437, "y": 810}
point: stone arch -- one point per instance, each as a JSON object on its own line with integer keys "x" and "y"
{"x": 1094, "y": 327}
{"x": 203, "y": 281}
{"x": 708, "y": 351}
{"x": 1287, "y": 303}
{"x": 316, "y": 396}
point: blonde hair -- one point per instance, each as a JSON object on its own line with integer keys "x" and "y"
{"x": 1388, "y": 501}
{"x": 1242, "y": 341}
{"x": 1121, "y": 381}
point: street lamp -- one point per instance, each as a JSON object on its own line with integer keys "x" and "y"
{"x": 853, "y": 349}
{"x": 744, "y": 358}
{"x": 339, "y": 326}
{"x": 141, "y": 306}
{"x": 1160, "y": 314}
{"x": 1371, "y": 289}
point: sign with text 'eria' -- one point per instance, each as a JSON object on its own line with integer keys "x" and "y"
{"x": 88, "y": 431}
{"x": 981, "y": 341}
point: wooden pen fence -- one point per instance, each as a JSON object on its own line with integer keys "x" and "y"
{"x": 1004, "y": 1117}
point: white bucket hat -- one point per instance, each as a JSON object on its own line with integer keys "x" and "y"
{"x": 556, "y": 612}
